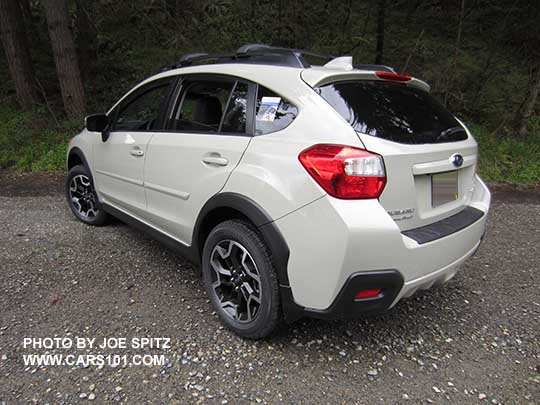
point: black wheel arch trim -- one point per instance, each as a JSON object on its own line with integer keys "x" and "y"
{"x": 260, "y": 219}
{"x": 344, "y": 305}
{"x": 246, "y": 206}
{"x": 184, "y": 250}
{"x": 273, "y": 238}
{"x": 80, "y": 154}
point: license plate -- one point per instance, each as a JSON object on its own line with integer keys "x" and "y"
{"x": 444, "y": 188}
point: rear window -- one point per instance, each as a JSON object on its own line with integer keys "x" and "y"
{"x": 272, "y": 112}
{"x": 393, "y": 111}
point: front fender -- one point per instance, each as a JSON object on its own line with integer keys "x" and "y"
{"x": 82, "y": 146}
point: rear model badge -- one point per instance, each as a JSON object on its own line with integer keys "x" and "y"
{"x": 456, "y": 159}
{"x": 400, "y": 215}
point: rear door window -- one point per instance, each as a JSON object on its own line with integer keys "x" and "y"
{"x": 393, "y": 111}
{"x": 234, "y": 119}
{"x": 272, "y": 112}
{"x": 201, "y": 106}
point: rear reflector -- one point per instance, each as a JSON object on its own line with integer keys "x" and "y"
{"x": 362, "y": 295}
{"x": 393, "y": 76}
{"x": 345, "y": 172}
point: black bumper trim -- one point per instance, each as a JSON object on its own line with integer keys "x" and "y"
{"x": 345, "y": 306}
{"x": 445, "y": 227}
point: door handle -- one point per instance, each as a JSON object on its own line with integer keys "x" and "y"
{"x": 215, "y": 160}
{"x": 136, "y": 152}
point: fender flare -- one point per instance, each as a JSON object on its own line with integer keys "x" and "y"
{"x": 262, "y": 221}
{"x": 80, "y": 154}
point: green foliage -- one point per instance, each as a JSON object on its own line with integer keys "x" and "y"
{"x": 506, "y": 159}
{"x": 30, "y": 142}
{"x": 485, "y": 81}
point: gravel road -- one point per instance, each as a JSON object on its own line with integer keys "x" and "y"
{"x": 475, "y": 340}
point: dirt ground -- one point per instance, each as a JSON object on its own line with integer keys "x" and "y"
{"x": 474, "y": 340}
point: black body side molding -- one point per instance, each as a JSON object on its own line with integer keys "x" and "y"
{"x": 248, "y": 208}
{"x": 344, "y": 306}
{"x": 446, "y": 226}
{"x": 184, "y": 250}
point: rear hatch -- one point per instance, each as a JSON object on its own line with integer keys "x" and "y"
{"x": 429, "y": 156}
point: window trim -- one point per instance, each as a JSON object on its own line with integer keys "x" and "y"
{"x": 220, "y": 126}
{"x": 140, "y": 92}
{"x": 177, "y": 96}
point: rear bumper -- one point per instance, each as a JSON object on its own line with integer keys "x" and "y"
{"x": 335, "y": 244}
{"x": 435, "y": 278}
{"x": 441, "y": 229}
{"x": 346, "y": 306}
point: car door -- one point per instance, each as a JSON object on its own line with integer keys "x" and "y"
{"x": 119, "y": 161}
{"x": 208, "y": 128}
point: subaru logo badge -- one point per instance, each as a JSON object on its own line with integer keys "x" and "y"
{"x": 457, "y": 159}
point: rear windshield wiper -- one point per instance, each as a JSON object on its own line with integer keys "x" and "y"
{"x": 451, "y": 131}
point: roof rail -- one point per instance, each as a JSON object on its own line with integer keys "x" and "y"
{"x": 300, "y": 54}
{"x": 257, "y": 54}
{"x": 263, "y": 54}
{"x": 189, "y": 56}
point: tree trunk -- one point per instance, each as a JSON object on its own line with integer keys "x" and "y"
{"x": 366, "y": 20}
{"x": 65, "y": 57}
{"x": 344, "y": 26}
{"x": 380, "y": 32}
{"x": 530, "y": 103}
{"x": 86, "y": 38}
{"x": 17, "y": 52}
{"x": 413, "y": 51}
{"x": 453, "y": 65}
{"x": 26, "y": 14}
{"x": 412, "y": 10}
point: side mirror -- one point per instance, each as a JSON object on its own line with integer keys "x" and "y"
{"x": 98, "y": 123}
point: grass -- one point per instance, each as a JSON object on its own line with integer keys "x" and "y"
{"x": 506, "y": 159}
{"x": 32, "y": 142}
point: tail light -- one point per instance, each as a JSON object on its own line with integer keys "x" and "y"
{"x": 393, "y": 76}
{"x": 345, "y": 172}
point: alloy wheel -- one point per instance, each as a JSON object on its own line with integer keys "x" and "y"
{"x": 82, "y": 196}
{"x": 235, "y": 281}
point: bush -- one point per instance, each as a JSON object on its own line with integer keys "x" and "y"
{"x": 29, "y": 141}
{"x": 506, "y": 159}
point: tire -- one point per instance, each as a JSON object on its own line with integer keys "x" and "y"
{"x": 82, "y": 198}
{"x": 251, "y": 311}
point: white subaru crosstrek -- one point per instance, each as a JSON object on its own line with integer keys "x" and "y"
{"x": 301, "y": 190}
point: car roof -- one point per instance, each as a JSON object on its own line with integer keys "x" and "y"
{"x": 253, "y": 60}
{"x": 283, "y": 80}
{"x": 282, "y": 70}
{"x": 271, "y": 75}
